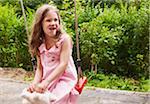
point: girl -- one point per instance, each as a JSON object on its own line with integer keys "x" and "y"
{"x": 55, "y": 71}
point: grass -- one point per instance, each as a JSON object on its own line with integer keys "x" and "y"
{"x": 118, "y": 83}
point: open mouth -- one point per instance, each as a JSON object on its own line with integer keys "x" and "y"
{"x": 53, "y": 28}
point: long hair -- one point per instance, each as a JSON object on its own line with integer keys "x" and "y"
{"x": 37, "y": 34}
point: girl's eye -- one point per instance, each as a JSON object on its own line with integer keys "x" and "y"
{"x": 55, "y": 19}
{"x": 48, "y": 20}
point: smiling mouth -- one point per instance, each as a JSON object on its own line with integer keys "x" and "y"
{"x": 52, "y": 28}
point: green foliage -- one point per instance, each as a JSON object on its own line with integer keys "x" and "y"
{"x": 113, "y": 35}
{"x": 33, "y": 4}
{"x": 13, "y": 45}
{"x": 119, "y": 38}
{"x": 118, "y": 82}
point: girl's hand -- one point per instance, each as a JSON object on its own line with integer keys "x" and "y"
{"x": 31, "y": 88}
{"x": 41, "y": 87}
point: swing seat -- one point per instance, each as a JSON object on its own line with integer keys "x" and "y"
{"x": 81, "y": 83}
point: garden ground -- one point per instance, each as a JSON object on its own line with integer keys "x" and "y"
{"x": 11, "y": 85}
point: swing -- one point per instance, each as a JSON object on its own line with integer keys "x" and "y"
{"x": 82, "y": 80}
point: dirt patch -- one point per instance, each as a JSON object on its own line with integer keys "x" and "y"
{"x": 16, "y": 74}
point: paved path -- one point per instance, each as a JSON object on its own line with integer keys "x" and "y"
{"x": 10, "y": 90}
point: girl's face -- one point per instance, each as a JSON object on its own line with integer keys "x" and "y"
{"x": 50, "y": 24}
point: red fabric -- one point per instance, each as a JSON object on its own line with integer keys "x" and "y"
{"x": 81, "y": 83}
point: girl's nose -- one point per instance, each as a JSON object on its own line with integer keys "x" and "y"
{"x": 53, "y": 22}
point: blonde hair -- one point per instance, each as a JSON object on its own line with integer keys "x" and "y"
{"x": 37, "y": 34}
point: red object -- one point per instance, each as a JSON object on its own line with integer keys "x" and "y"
{"x": 81, "y": 83}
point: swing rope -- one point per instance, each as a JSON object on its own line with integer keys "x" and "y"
{"x": 82, "y": 80}
{"x": 24, "y": 15}
{"x": 33, "y": 60}
{"x": 77, "y": 42}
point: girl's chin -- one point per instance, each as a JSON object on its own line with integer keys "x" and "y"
{"x": 52, "y": 33}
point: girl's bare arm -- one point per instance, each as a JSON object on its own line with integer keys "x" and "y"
{"x": 37, "y": 77}
{"x": 38, "y": 72}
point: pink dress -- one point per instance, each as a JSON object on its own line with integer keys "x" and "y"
{"x": 63, "y": 86}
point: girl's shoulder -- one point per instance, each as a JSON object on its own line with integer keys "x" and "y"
{"x": 66, "y": 38}
{"x": 42, "y": 48}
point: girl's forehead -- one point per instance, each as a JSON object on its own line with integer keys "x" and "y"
{"x": 51, "y": 13}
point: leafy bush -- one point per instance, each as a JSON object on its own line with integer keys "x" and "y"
{"x": 114, "y": 38}
{"x": 13, "y": 45}
{"x": 119, "y": 40}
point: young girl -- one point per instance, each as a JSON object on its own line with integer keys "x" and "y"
{"x": 55, "y": 71}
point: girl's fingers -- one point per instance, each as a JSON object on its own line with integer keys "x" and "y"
{"x": 36, "y": 87}
{"x": 40, "y": 89}
{"x": 31, "y": 88}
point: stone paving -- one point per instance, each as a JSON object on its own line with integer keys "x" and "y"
{"x": 10, "y": 94}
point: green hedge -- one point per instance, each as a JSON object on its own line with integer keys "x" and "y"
{"x": 114, "y": 38}
{"x": 117, "y": 40}
{"x": 13, "y": 44}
